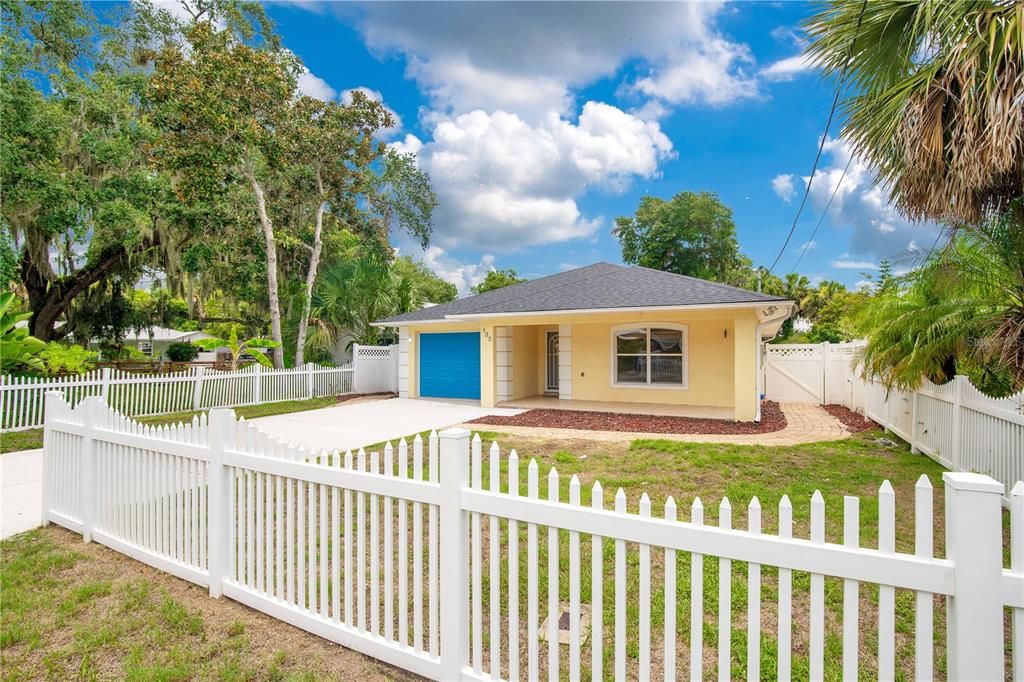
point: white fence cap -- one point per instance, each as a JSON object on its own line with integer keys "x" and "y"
{"x": 966, "y": 480}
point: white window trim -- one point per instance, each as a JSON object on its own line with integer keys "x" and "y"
{"x": 648, "y": 326}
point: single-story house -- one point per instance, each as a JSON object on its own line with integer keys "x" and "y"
{"x": 594, "y": 338}
{"x": 153, "y": 341}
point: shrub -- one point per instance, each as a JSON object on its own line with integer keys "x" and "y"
{"x": 182, "y": 352}
{"x": 58, "y": 358}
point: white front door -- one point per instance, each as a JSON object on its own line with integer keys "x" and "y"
{"x": 551, "y": 362}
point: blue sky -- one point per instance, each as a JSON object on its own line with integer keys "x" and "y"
{"x": 540, "y": 123}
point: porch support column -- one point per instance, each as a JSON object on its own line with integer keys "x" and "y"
{"x": 504, "y": 352}
{"x": 488, "y": 387}
{"x": 403, "y": 362}
{"x": 565, "y": 362}
{"x": 744, "y": 367}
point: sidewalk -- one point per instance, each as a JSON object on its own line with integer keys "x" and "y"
{"x": 21, "y": 491}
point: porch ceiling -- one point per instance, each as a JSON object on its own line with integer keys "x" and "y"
{"x": 552, "y": 403}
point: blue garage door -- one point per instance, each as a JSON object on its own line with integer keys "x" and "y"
{"x": 450, "y": 365}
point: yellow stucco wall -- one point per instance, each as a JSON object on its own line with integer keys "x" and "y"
{"x": 710, "y": 365}
{"x": 721, "y": 357}
{"x": 525, "y": 348}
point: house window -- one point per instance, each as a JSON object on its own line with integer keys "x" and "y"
{"x": 649, "y": 356}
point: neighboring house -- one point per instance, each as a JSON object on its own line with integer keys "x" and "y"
{"x": 604, "y": 332}
{"x": 153, "y": 342}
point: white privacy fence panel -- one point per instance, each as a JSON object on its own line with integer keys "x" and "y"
{"x": 794, "y": 373}
{"x": 376, "y": 368}
{"x": 198, "y": 388}
{"x": 542, "y": 578}
{"x": 955, "y": 423}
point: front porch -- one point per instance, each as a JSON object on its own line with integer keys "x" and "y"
{"x": 547, "y": 402}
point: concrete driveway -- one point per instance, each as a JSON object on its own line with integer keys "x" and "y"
{"x": 346, "y": 426}
{"x": 355, "y": 424}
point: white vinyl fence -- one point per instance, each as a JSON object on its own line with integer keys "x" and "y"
{"x": 22, "y": 398}
{"x": 325, "y": 542}
{"x": 955, "y": 424}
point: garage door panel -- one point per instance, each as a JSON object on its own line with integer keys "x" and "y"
{"x": 450, "y": 365}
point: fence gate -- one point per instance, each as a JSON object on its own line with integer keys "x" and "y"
{"x": 794, "y": 373}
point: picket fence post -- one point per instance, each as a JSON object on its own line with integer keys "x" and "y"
{"x": 197, "y": 389}
{"x": 824, "y": 372}
{"x": 94, "y": 408}
{"x": 52, "y": 404}
{"x": 454, "y": 531}
{"x": 914, "y": 450}
{"x": 355, "y": 368}
{"x": 309, "y": 380}
{"x": 221, "y": 423}
{"x": 257, "y": 370}
{"x": 958, "y": 401}
{"x": 974, "y": 613}
{"x": 105, "y": 386}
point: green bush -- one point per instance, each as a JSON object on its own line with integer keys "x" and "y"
{"x": 182, "y": 352}
{"x": 58, "y": 358}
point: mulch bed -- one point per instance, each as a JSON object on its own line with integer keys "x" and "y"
{"x": 854, "y": 422}
{"x": 352, "y": 396}
{"x": 772, "y": 419}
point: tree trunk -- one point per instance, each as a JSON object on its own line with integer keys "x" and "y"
{"x": 314, "y": 264}
{"x": 49, "y": 299}
{"x": 272, "y": 295}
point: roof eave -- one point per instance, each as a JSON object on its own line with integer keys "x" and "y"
{"x": 469, "y": 317}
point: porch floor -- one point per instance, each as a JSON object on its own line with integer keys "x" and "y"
{"x": 545, "y": 402}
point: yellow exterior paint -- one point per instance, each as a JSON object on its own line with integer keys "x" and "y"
{"x": 721, "y": 356}
{"x": 525, "y": 349}
{"x": 709, "y": 360}
{"x": 745, "y": 364}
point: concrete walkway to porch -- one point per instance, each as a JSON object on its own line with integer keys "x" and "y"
{"x": 804, "y": 424}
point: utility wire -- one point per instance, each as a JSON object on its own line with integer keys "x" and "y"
{"x": 823, "y": 214}
{"x": 821, "y": 146}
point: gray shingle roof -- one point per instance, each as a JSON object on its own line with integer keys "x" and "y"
{"x": 599, "y": 286}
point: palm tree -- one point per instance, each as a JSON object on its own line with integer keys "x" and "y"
{"x": 962, "y": 311}
{"x": 352, "y": 294}
{"x": 934, "y": 91}
{"x": 238, "y": 349}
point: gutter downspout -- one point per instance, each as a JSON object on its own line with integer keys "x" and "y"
{"x": 758, "y": 352}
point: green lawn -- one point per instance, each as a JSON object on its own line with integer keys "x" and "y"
{"x": 33, "y": 438}
{"x": 660, "y": 468}
{"x": 47, "y": 573}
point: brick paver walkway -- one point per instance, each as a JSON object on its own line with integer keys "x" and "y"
{"x": 804, "y": 424}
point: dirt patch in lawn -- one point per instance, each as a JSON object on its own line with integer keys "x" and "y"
{"x": 772, "y": 419}
{"x": 385, "y": 395}
{"x": 854, "y": 422}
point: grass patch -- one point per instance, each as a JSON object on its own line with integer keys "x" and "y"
{"x": 81, "y": 611}
{"x": 33, "y": 438}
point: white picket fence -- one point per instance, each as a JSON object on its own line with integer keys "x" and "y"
{"x": 373, "y": 369}
{"x": 324, "y": 542}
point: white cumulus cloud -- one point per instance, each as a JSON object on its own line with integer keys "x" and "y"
{"x": 313, "y": 86}
{"x": 503, "y": 183}
{"x": 862, "y": 209}
{"x": 463, "y": 275}
{"x": 784, "y": 187}
{"x": 786, "y": 69}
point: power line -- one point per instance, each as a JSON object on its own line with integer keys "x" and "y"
{"x": 821, "y": 146}
{"x": 823, "y": 214}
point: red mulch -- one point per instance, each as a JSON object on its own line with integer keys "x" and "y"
{"x": 353, "y": 396}
{"x": 854, "y": 422}
{"x": 772, "y": 419}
